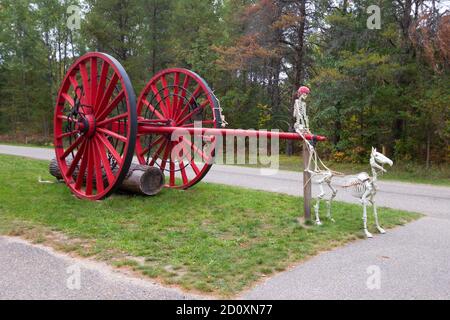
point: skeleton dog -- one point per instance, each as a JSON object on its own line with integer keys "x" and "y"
{"x": 364, "y": 187}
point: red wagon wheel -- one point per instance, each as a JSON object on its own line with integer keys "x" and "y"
{"x": 95, "y": 126}
{"x": 178, "y": 98}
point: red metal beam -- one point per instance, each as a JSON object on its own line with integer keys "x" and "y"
{"x": 149, "y": 129}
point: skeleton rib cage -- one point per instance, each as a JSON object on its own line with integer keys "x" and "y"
{"x": 355, "y": 186}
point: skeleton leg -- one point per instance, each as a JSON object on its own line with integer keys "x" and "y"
{"x": 330, "y": 201}
{"x": 364, "y": 203}
{"x": 312, "y": 153}
{"x": 375, "y": 214}
{"x": 317, "y": 206}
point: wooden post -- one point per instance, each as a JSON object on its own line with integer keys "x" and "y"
{"x": 307, "y": 190}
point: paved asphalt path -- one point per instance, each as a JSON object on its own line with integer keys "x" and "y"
{"x": 412, "y": 261}
{"x": 37, "y": 272}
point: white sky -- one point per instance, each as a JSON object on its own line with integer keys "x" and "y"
{"x": 445, "y": 5}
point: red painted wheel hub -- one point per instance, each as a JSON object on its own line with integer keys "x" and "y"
{"x": 86, "y": 125}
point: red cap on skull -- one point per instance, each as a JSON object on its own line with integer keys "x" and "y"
{"x": 304, "y": 90}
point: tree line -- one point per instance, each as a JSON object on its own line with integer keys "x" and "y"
{"x": 386, "y": 87}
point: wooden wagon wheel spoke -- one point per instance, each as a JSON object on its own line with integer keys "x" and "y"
{"x": 165, "y": 156}
{"x": 98, "y": 170}
{"x": 172, "y": 174}
{"x": 73, "y": 82}
{"x": 156, "y": 155}
{"x": 154, "y": 143}
{"x": 187, "y": 79}
{"x": 111, "y": 149}
{"x": 90, "y": 170}
{"x": 153, "y": 110}
{"x": 95, "y": 126}
{"x": 69, "y": 99}
{"x": 194, "y": 148}
{"x": 189, "y": 103}
{"x": 176, "y": 89}
{"x": 82, "y": 171}
{"x": 183, "y": 172}
{"x": 189, "y": 116}
{"x": 72, "y": 147}
{"x": 160, "y": 101}
{"x": 167, "y": 102}
{"x": 104, "y": 160}
{"x": 195, "y": 167}
{"x": 94, "y": 80}
{"x": 100, "y": 109}
{"x": 112, "y": 134}
{"x": 111, "y": 120}
{"x": 76, "y": 160}
{"x": 66, "y": 119}
{"x": 111, "y": 106}
{"x": 86, "y": 82}
{"x": 101, "y": 85}
{"x": 68, "y": 134}
{"x": 182, "y": 166}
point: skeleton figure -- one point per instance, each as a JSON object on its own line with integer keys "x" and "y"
{"x": 315, "y": 166}
{"x": 302, "y": 121}
{"x": 365, "y": 188}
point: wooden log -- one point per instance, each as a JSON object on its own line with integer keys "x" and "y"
{"x": 144, "y": 180}
{"x": 53, "y": 168}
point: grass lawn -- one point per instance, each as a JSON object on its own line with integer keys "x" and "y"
{"x": 211, "y": 239}
{"x": 438, "y": 175}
